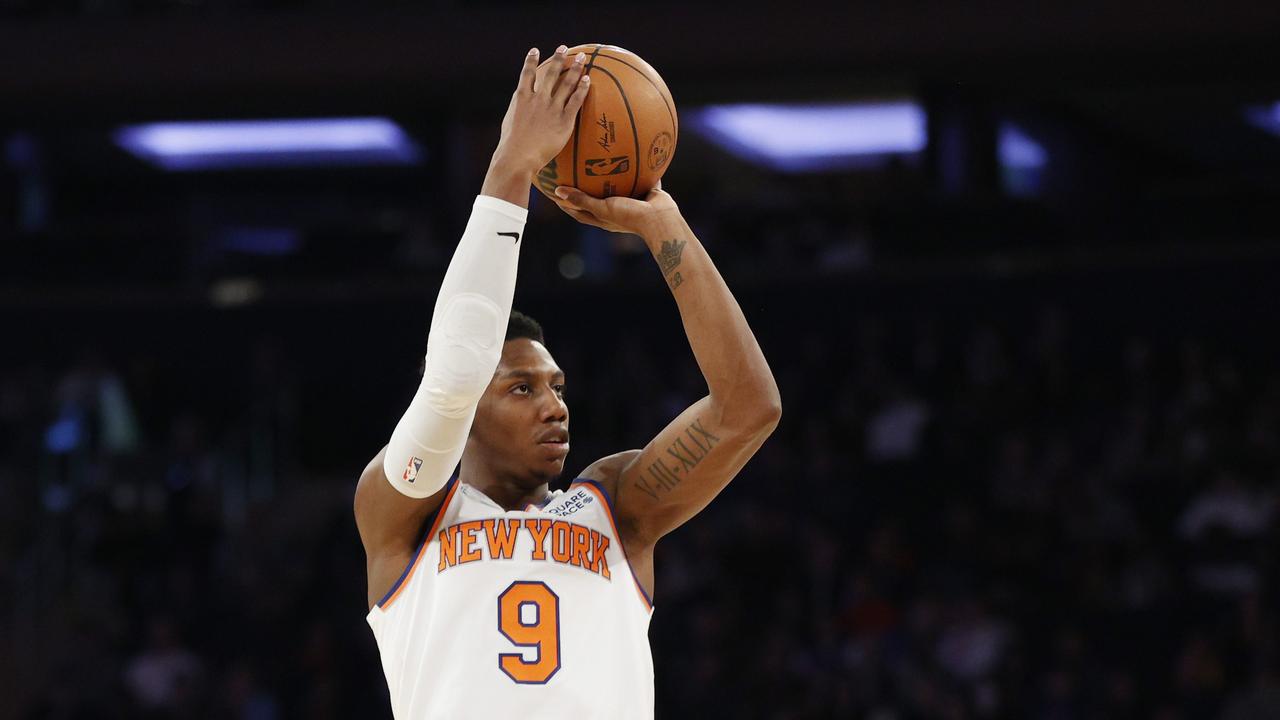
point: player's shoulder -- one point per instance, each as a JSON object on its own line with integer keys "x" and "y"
{"x": 608, "y": 469}
{"x": 609, "y": 466}
{"x": 607, "y": 474}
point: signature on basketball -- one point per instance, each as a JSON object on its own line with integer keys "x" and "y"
{"x": 607, "y": 135}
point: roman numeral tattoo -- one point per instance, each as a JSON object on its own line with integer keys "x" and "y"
{"x": 664, "y": 474}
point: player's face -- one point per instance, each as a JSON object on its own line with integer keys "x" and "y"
{"x": 522, "y": 421}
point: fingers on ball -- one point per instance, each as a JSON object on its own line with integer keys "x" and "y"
{"x": 570, "y": 78}
{"x": 579, "y": 95}
{"x": 550, "y": 70}
{"x": 529, "y": 71}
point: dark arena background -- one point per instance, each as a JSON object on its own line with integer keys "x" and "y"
{"x": 1014, "y": 265}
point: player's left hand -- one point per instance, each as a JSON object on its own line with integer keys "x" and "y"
{"x": 618, "y": 214}
{"x": 543, "y": 108}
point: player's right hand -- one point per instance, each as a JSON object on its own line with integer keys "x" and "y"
{"x": 543, "y": 109}
{"x": 618, "y": 214}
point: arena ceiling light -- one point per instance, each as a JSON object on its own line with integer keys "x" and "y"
{"x": 800, "y": 138}
{"x": 1019, "y": 150}
{"x": 1264, "y": 117}
{"x": 227, "y": 144}
{"x": 1023, "y": 161}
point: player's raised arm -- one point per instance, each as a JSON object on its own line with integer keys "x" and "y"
{"x": 695, "y": 456}
{"x": 404, "y": 483}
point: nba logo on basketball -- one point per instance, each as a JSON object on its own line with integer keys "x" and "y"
{"x": 411, "y": 471}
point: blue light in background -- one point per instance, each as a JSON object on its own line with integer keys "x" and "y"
{"x": 1264, "y": 117}
{"x": 64, "y": 435}
{"x": 1018, "y": 150}
{"x": 22, "y": 151}
{"x": 1023, "y": 161}
{"x": 798, "y": 138}
{"x": 264, "y": 241}
{"x": 230, "y": 144}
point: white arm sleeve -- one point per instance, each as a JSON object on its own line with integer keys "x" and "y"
{"x": 463, "y": 349}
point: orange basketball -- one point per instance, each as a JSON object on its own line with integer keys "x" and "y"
{"x": 626, "y": 131}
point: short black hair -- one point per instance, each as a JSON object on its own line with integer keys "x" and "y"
{"x": 523, "y": 326}
{"x": 519, "y": 325}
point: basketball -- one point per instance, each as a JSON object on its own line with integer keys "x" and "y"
{"x": 626, "y": 132}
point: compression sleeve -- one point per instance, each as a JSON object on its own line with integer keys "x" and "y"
{"x": 464, "y": 345}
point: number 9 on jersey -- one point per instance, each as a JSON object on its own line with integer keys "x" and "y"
{"x": 529, "y": 616}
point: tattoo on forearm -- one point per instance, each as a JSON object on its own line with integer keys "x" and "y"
{"x": 666, "y": 473}
{"x": 669, "y": 259}
{"x": 548, "y": 177}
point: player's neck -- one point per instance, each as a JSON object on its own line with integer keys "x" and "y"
{"x": 508, "y": 491}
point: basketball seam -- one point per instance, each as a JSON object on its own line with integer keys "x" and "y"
{"x": 585, "y": 71}
{"x": 635, "y": 134}
{"x": 675, "y": 124}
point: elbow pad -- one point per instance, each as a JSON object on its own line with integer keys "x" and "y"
{"x": 464, "y": 346}
{"x": 463, "y": 350}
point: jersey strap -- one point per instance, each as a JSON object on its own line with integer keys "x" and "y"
{"x": 601, "y": 494}
{"x": 394, "y": 592}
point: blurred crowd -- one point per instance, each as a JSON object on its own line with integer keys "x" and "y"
{"x": 1011, "y": 526}
{"x": 962, "y": 515}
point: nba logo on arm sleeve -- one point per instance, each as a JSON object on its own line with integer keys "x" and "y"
{"x": 411, "y": 470}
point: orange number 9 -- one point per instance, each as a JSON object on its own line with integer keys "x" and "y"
{"x": 529, "y": 616}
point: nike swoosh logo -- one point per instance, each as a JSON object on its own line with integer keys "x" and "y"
{"x": 515, "y": 237}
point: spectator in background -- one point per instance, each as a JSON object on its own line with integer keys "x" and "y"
{"x": 165, "y": 677}
{"x": 1223, "y": 524}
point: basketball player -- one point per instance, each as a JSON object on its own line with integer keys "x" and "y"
{"x": 489, "y": 596}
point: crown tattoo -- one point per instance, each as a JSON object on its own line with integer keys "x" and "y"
{"x": 669, "y": 255}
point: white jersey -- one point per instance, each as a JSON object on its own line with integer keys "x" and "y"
{"x": 521, "y": 614}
